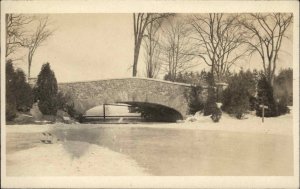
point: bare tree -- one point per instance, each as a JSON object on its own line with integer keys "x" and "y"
{"x": 218, "y": 40}
{"x": 266, "y": 34}
{"x": 15, "y": 31}
{"x": 152, "y": 49}
{"x": 140, "y": 23}
{"x": 35, "y": 40}
{"x": 176, "y": 48}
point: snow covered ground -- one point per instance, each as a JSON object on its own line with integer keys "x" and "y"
{"x": 54, "y": 160}
{"x": 282, "y": 125}
{"x": 263, "y": 147}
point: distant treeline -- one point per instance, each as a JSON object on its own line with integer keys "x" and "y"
{"x": 246, "y": 91}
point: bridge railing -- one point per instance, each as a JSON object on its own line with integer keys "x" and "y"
{"x": 104, "y": 117}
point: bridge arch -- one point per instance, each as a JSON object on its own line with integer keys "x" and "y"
{"x": 135, "y": 110}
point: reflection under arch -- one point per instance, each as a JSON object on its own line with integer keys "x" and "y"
{"x": 141, "y": 111}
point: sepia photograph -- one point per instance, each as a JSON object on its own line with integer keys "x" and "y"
{"x": 99, "y": 94}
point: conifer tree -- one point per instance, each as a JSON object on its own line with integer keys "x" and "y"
{"x": 265, "y": 97}
{"x": 46, "y": 91}
{"x": 194, "y": 101}
{"x": 24, "y": 97}
{"x": 210, "y": 104}
{"x": 10, "y": 91}
{"x": 236, "y": 97}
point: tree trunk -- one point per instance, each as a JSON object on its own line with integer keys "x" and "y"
{"x": 135, "y": 61}
{"x": 212, "y": 73}
{"x": 29, "y": 66}
{"x": 272, "y": 81}
{"x": 136, "y": 56}
{"x": 6, "y": 42}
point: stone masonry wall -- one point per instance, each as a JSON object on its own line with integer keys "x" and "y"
{"x": 92, "y": 93}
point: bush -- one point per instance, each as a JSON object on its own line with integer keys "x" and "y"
{"x": 61, "y": 100}
{"x": 265, "y": 97}
{"x": 283, "y": 85}
{"x": 10, "y": 92}
{"x": 236, "y": 102}
{"x": 10, "y": 110}
{"x": 282, "y": 106}
{"x": 24, "y": 96}
{"x": 46, "y": 91}
{"x": 210, "y": 105}
{"x": 19, "y": 95}
{"x": 194, "y": 102}
{"x": 253, "y": 103}
{"x": 216, "y": 114}
{"x": 65, "y": 103}
{"x": 169, "y": 77}
{"x": 237, "y": 97}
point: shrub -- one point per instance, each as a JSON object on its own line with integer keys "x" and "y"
{"x": 236, "y": 102}
{"x": 216, "y": 114}
{"x": 282, "y": 106}
{"x": 65, "y": 103}
{"x": 11, "y": 111}
{"x": 10, "y": 92}
{"x": 169, "y": 77}
{"x": 238, "y": 95}
{"x": 19, "y": 95}
{"x": 61, "y": 101}
{"x": 194, "y": 102}
{"x": 265, "y": 97}
{"x": 24, "y": 96}
{"x": 253, "y": 103}
{"x": 283, "y": 85}
{"x": 46, "y": 91}
{"x": 210, "y": 103}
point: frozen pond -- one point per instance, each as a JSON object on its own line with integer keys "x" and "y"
{"x": 166, "y": 151}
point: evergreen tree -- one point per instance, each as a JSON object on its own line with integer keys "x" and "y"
{"x": 195, "y": 103}
{"x": 236, "y": 97}
{"x": 65, "y": 103}
{"x": 10, "y": 91}
{"x": 265, "y": 97}
{"x": 46, "y": 91}
{"x": 24, "y": 97}
{"x": 210, "y": 104}
{"x": 283, "y": 86}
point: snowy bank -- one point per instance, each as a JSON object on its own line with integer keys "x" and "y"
{"x": 96, "y": 161}
{"x": 282, "y": 125}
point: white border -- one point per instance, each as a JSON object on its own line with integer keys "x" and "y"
{"x": 129, "y": 6}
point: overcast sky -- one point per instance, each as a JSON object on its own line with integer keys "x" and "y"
{"x": 99, "y": 46}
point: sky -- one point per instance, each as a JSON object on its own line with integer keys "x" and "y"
{"x": 100, "y": 46}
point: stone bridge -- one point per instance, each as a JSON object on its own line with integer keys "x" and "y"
{"x": 89, "y": 94}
